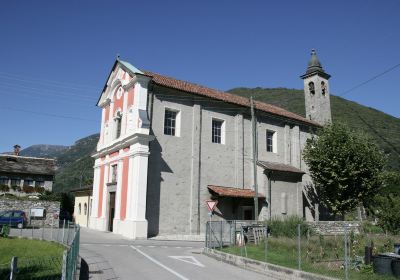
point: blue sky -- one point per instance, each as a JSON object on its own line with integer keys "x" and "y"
{"x": 55, "y": 55}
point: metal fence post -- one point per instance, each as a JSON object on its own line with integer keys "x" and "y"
{"x": 68, "y": 230}
{"x": 346, "y": 261}
{"x": 51, "y": 228}
{"x": 42, "y": 229}
{"x": 64, "y": 266}
{"x": 299, "y": 244}
{"x": 14, "y": 262}
{"x": 266, "y": 243}
{"x": 63, "y": 232}
{"x": 222, "y": 225}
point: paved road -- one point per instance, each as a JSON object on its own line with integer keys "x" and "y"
{"x": 112, "y": 257}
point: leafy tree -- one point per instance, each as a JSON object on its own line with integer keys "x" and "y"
{"x": 346, "y": 167}
{"x": 387, "y": 209}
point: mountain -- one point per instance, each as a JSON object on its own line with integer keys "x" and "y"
{"x": 76, "y": 165}
{"x": 384, "y": 129}
{"x": 46, "y": 151}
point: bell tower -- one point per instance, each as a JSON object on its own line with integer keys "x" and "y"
{"x": 316, "y": 90}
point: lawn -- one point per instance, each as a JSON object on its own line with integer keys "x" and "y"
{"x": 36, "y": 259}
{"x": 321, "y": 255}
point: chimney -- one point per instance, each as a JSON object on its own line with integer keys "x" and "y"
{"x": 17, "y": 149}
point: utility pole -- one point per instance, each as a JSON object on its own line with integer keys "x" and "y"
{"x": 255, "y": 152}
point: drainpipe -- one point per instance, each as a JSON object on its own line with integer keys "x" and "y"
{"x": 269, "y": 175}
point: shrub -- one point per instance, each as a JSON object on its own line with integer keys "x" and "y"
{"x": 39, "y": 189}
{"x": 4, "y": 188}
{"x": 5, "y": 231}
{"x": 28, "y": 189}
{"x": 368, "y": 227}
{"x": 287, "y": 227}
{"x": 16, "y": 188}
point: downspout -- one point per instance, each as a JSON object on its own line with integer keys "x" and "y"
{"x": 269, "y": 175}
{"x": 199, "y": 176}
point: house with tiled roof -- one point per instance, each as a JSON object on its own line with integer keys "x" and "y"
{"x": 21, "y": 176}
{"x": 167, "y": 146}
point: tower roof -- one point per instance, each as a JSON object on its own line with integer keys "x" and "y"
{"x": 315, "y": 67}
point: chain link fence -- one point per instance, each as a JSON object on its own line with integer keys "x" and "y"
{"x": 345, "y": 255}
{"x": 61, "y": 266}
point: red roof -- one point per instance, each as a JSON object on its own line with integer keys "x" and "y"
{"x": 234, "y": 192}
{"x": 224, "y": 96}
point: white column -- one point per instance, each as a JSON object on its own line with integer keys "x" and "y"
{"x": 103, "y": 114}
{"x": 96, "y": 182}
{"x": 118, "y": 192}
{"x": 124, "y": 120}
{"x": 104, "y": 208}
{"x": 135, "y": 224}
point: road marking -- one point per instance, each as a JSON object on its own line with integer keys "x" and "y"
{"x": 160, "y": 264}
{"x": 188, "y": 259}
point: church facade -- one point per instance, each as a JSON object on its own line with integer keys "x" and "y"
{"x": 167, "y": 146}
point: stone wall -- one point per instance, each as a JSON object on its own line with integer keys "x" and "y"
{"x": 335, "y": 227}
{"x": 52, "y": 209}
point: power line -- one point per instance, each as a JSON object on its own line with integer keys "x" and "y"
{"x": 46, "y": 114}
{"x": 45, "y": 81}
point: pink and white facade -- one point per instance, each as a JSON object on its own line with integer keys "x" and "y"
{"x": 121, "y": 159}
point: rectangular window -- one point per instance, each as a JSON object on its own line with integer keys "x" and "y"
{"x": 15, "y": 182}
{"x": 39, "y": 184}
{"x": 217, "y": 131}
{"x": 170, "y": 122}
{"x": 114, "y": 173}
{"x": 118, "y": 123}
{"x": 3, "y": 181}
{"x": 28, "y": 183}
{"x": 271, "y": 141}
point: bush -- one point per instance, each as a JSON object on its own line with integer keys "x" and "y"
{"x": 368, "y": 227}
{"x": 50, "y": 196}
{"x": 28, "y": 189}
{"x": 16, "y": 188}
{"x": 4, "y": 231}
{"x": 287, "y": 227}
{"x": 4, "y": 188}
{"x": 39, "y": 189}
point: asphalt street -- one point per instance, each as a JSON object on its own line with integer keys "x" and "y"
{"x": 111, "y": 256}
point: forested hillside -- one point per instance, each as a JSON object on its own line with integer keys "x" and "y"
{"x": 383, "y": 128}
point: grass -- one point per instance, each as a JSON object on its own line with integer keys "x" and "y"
{"x": 320, "y": 255}
{"x": 36, "y": 259}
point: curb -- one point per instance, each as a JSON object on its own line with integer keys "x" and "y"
{"x": 271, "y": 270}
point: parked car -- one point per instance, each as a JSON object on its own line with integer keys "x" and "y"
{"x": 14, "y": 218}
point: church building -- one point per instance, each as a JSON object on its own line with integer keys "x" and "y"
{"x": 167, "y": 146}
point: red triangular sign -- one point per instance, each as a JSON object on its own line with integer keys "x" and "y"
{"x": 211, "y": 204}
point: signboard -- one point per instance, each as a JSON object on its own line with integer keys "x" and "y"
{"x": 37, "y": 212}
{"x": 211, "y": 204}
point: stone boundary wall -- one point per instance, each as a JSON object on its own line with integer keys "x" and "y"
{"x": 272, "y": 271}
{"x": 335, "y": 227}
{"x": 52, "y": 209}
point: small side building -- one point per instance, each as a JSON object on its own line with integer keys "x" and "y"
{"x": 82, "y": 206}
{"x": 22, "y": 176}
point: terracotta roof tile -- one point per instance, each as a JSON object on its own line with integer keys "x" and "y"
{"x": 234, "y": 192}
{"x": 224, "y": 96}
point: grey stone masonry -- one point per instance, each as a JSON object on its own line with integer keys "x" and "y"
{"x": 52, "y": 209}
{"x": 335, "y": 227}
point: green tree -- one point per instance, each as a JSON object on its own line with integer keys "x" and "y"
{"x": 346, "y": 167}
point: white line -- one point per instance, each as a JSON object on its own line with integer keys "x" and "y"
{"x": 160, "y": 264}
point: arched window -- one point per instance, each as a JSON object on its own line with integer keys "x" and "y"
{"x": 79, "y": 209}
{"x": 323, "y": 88}
{"x": 118, "y": 123}
{"x": 311, "y": 87}
{"x": 85, "y": 209}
